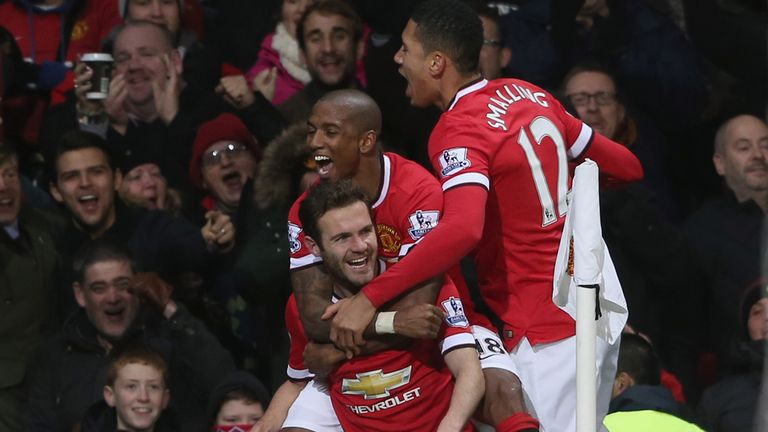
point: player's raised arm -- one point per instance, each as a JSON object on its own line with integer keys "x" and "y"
{"x": 617, "y": 164}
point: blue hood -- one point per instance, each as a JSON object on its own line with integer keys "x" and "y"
{"x": 645, "y": 397}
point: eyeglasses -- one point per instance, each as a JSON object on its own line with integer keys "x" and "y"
{"x": 492, "y": 42}
{"x": 232, "y": 149}
{"x": 601, "y": 98}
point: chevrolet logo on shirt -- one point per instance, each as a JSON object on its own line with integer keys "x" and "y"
{"x": 374, "y": 384}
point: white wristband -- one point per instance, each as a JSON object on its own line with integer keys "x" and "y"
{"x": 385, "y": 323}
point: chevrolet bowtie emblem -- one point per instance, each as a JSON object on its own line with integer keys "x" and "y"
{"x": 375, "y": 384}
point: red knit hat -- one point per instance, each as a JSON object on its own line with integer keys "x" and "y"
{"x": 225, "y": 127}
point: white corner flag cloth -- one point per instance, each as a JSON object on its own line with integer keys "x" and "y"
{"x": 592, "y": 264}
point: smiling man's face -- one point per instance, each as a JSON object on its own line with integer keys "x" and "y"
{"x": 330, "y": 49}
{"x": 86, "y": 185}
{"x": 104, "y": 294}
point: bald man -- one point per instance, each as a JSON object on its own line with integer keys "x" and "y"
{"x": 725, "y": 231}
{"x": 343, "y": 131}
{"x": 741, "y": 158}
{"x": 407, "y": 201}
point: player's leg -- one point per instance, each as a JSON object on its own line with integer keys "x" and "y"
{"x": 504, "y": 400}
{"x": 548, "y": 374}
{"x": 312, "y": 411}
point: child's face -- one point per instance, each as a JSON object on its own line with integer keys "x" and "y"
{"x": 237, "y": 411}
{"x": 139, "y": 396}
{"x": 292, "y": 12}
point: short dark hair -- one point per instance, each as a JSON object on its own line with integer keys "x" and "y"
{"x": 100, "y": 250}
{"x": 452, "y": 27}
{"x": 330, "y": 7}
{"x": 77, "y": 140}
{"x": 326, "y": 196}
{"x": 597, "y": 67}
{"x": 638, "y": 360}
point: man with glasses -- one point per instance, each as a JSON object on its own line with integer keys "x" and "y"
{"x": 495, "y": 55}
{"x": 591, "y": 91}
{"x": 224, "y": 158}
{"x": 636, "y": 220}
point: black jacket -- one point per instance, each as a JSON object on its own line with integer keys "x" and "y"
{"x": 731, "y": 404}
{"x": 100, "y": 417}
{"x": 725, "y": 235}
{"x": 69, "y": 372}
{"x": 159, "y": 241}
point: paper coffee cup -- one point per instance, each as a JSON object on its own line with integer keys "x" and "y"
{"x": 101, "y": 65}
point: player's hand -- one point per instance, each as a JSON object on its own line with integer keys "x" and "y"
{"x": 150, "y": 288}
{"x": 218, "y": 231}
{"x": 351, "y": 318}
{"x": 420, "y": 321}
{"x": 235, "y": 91}
{"x": 321, "y": 359}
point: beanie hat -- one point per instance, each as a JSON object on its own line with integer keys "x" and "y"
{"x": 123, "y": 7}
{"x": 138, "y": 154}
{"x": 238, "y": 380}
{"x": 225, "y": 127}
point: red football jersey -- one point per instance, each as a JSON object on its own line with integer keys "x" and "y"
{"x": 407, "y": 389}
{"x": 297, "y": 370}
{"x": 515, "y": 140}
{"x": 38, "y": 34}
{"x": 407, "y": 207}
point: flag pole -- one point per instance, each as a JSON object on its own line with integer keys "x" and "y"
{"x": 587, "y": 273}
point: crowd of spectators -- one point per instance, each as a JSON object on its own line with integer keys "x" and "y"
{"x": 158, "y": 214}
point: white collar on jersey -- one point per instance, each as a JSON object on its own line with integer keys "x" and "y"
{"x": 387, "y": 171}
{"x": 467, "y": 90}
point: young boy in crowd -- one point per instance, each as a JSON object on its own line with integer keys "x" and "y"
{"x": 237, "y": 403}
{"x": 136, "y": 394}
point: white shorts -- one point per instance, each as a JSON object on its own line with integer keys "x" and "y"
{"x": 548, "y": 374}
{"x": 491, "y": 351}
{"x": 313, "y": 410}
